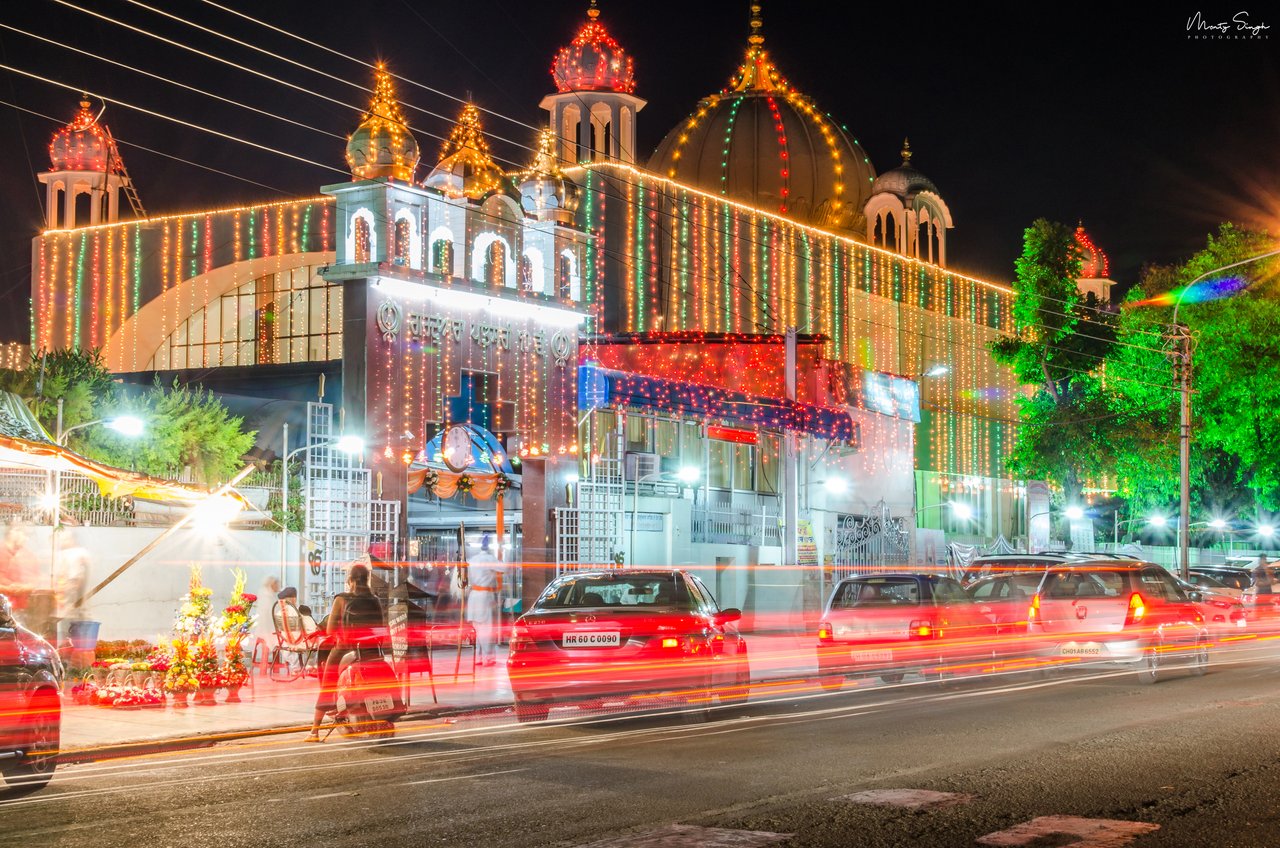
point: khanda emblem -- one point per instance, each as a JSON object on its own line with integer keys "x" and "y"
{"x": 388, "y": 320}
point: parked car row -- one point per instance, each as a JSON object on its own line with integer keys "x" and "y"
{"x": 1050, "y": 611}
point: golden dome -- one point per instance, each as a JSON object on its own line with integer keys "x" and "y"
{"x": 382, "y": 146}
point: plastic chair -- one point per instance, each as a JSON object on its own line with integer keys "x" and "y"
{"x": 293, "y": 638}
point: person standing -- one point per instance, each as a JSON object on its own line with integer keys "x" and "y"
{"x": 72, "y": 582}
{"x": 484, "y": 596}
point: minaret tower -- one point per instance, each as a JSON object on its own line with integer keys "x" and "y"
{"x": 84, "y": 160}
{"x": 593, "y": 111}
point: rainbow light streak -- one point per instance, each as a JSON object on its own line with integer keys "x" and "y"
{"x": 1200, "y": 292}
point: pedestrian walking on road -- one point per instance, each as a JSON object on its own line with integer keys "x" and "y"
{"x": 484, "y": 594}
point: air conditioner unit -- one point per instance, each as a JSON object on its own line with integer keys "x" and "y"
{"x": 641, "y": 465}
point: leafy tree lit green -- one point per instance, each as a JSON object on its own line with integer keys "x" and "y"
{"x": 1060, "y": 342}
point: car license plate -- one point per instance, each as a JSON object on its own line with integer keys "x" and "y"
{"x": 873, "y": 656}
{"x": 592, "y": 639}
{"x": 1082, "y": 649}
{"x": 379, "y": 704}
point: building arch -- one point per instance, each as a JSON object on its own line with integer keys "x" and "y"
{"x": 361, "y": 224}
{"x": 442, "y": 252}
{"x": 532, "y": 271}
{"x": 481, "y": 259}
{"x": 410, "y": 253}
{"x": 568, "y": 279}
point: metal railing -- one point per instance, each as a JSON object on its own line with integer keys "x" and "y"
{"x": 738, "y": 518}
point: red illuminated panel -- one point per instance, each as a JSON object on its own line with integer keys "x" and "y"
{"x": 729, "y": 434}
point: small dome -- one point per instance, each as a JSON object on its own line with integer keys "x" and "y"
{"x": 544, "y": 190}
{"x": 84, "y": 145}
{"x": 904, "y": 180}
{"x": 465, "y": 168}
{"x": 762, "y": 142}
{"x": 593, "y": 61}
{"x": 1094, "y": 264}
{"x": 382, "y": 147}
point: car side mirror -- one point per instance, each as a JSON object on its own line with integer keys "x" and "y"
{"x": 1196, "y": 597}
{"x": 728, "y": 615}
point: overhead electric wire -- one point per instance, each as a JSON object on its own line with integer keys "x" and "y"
{"x": 283, "y": 82}
{"x": 171, "y": 119}
{"x": 173, "y": 82}
{"x": 369, "y": 65}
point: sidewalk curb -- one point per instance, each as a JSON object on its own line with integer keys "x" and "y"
{"x": 141, "y": 747}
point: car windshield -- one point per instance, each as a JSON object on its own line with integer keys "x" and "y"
{"x": 877, "y": 592}
{"x": 1085, "y": 584}
{"x": 620, "y": 590}
{"x": 1206, "y": 581}
{"x": 1234, "y": 579}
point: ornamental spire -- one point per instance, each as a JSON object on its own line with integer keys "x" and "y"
{"x": 758, "y": 73}
{"x": 906, "y": 151}
{"x": 756, "y": 35}
{"x": 382, "y": 146}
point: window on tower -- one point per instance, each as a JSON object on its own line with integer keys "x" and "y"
{"x": 442, "y": 257}
{"x": 495, "y": 263}
{"x": 362, "y": 240}
{"x": 402, "y": 242}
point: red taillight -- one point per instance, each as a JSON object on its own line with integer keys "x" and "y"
{"x": 824, "y": 632}
{"x": 1137, "y": 609}
{"x": 924, "y": 629}
{"x": 671, "y": 642}
{"x": 519, "y": 643}
{"x": 1033, "y": 613}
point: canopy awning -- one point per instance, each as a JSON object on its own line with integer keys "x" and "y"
{"x": 23, "y": 441}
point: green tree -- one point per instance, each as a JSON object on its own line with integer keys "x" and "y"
{"x": 1060, "y": 340}
{"x": 186, "y": 427}
{"x": 1236, "y": 405}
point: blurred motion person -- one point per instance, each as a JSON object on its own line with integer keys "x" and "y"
{"x": 18, "y": 570}
{"x": 355, "y": 615}
{"x": 484, "y": 594}
{"x": 71, "y": 582}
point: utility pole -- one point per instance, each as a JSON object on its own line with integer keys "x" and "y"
{"x": 790, "y": 476}
{"x": 1180, "y": 336}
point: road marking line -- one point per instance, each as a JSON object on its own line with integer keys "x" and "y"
{"x": 331, "y": 795}
{"x": 462, "y": 777}
{"x": 911, "y": 799}
{"x": 688, "y": 836}
{"x": 1089, "y": 833}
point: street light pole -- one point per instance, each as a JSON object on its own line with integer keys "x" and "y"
{"x": 284, "y": 504}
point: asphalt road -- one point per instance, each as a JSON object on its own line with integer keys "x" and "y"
{"x": 1199, "y": 757}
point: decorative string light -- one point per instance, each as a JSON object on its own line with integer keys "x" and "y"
{"x": 593, "y": 61}
{"x": 382, "y": 147}
{"x": 466, "y": 169}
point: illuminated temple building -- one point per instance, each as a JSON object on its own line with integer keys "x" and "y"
{"x": 613, "y": 332}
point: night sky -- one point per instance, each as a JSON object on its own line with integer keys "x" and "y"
{"x": 1067, "y": 111}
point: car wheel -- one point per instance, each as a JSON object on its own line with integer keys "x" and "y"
{"x": 1200, "y": 665}
{"x": 529, "y": 711}
{"x": 1149, "y": 671}
{"x": 740, "y": 691}
{"x": 832, "y": 684}
{"x": 892, "y": 677}
{"x": 35, "y": 770}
